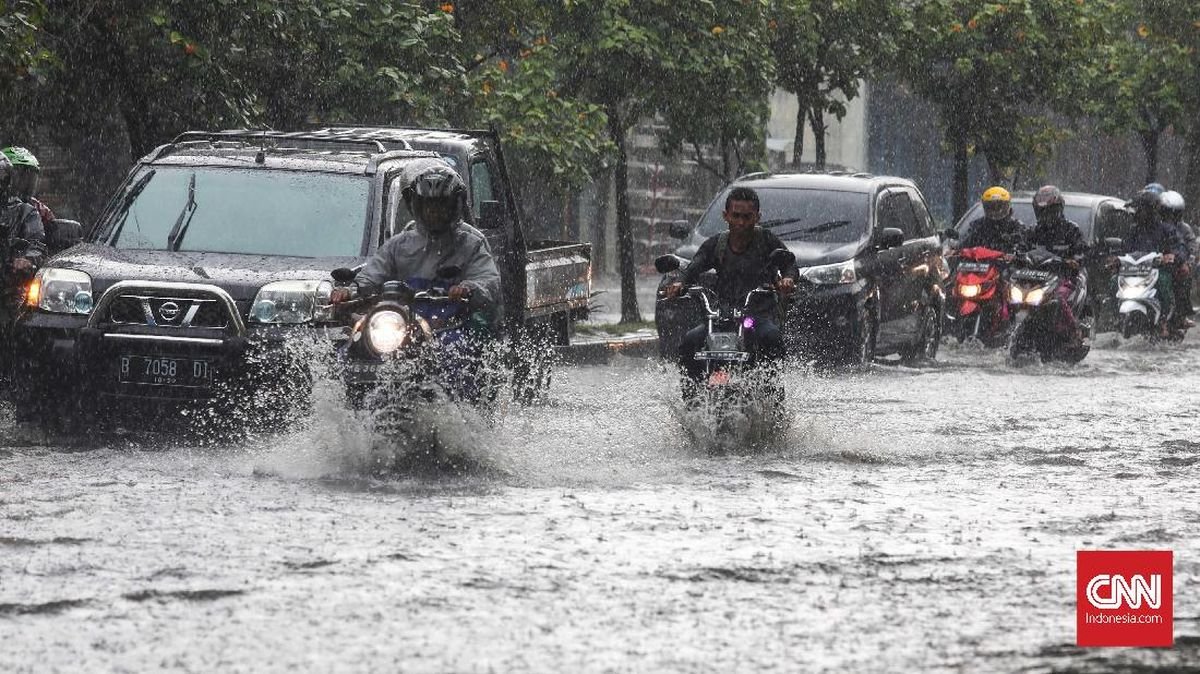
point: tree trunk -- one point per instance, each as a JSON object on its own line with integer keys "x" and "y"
{"x": 798, "y": 142}
{"x": 1150, "y": 151}
{"x": 816, "y": 118}
{"x": 625, "y": 241}
{"x": 960, "y": 181}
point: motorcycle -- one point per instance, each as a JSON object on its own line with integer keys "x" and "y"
{"x": 1139, "y": 309}
{"x": 734, "y": 388}
{"x": 1039, "y": 325}
{"x": 978, "y": 310}
{"x": 405, "y": 347}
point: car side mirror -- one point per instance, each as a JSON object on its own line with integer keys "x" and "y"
{"x": 65, "y": 233}
{"x": 949, "y": 233}
{"x": 679, "y": 229}
{"x": 491, "y": 215}
{"x": 890, "y": 237}
{"x": 344, "y": 275}
{"x": 664, "y": 264}
{"x": 782, "y": 258}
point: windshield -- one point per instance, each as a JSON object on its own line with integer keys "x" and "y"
{"x": 1023, "y": 211}
{"x": 820, "y": 216}
{"x": 224, "y": 210}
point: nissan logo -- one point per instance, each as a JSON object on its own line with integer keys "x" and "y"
{"x": 168, "y": 311}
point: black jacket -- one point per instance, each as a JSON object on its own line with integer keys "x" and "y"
{"x": 1060, "y": 232}
{"x": 19, "y": 220}
{"x": 1005, "y": 235}
{"x": 737, "y": 274}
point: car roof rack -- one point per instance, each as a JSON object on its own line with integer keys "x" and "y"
{"x": 394, "y": 134}
{"x": 252, "y": 137}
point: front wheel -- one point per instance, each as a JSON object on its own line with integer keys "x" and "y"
{"x": 862, "y": 349}
{"x": 1133, "y": 324}
{"x": 1018, "y": 341}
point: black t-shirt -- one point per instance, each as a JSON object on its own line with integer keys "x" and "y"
{"x": 737, "y": 273}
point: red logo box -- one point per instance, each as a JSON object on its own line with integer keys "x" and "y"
{"x": 1123, "y": 598}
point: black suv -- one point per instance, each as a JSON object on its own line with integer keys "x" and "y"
{"x": 220, "y": 245}
{"x": 870, "y": 265}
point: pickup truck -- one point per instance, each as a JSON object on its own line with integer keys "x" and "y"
{"x": 218, "y": 247}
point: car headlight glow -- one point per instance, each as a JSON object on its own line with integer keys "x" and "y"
{"x": 831, "y": 274}
{"x": 386, "y": 331}
{"x": 969, "y": 290}
{"x": 61, "y": 291}
{"x": 292, "y": 302}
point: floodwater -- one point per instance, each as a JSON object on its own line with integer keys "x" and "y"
{"x": 908, "y": 520}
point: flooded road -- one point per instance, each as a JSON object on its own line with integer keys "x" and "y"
{"x": 910, "y": 519}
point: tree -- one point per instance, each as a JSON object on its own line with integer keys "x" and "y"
{"x": 993, "y": 70}
{"x": 823, "y": 49}
{"x": 20, "y": 24}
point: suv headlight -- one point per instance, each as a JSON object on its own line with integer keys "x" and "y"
{"x": 292, "y": 302}
{"x": 61, "y": 291}
{"x": 831, "y": 274}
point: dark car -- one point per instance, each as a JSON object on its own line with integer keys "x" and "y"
{"x": 869, "y": 258}
{"x": 1098, "y": 216}
{"x": 220, "y": 246}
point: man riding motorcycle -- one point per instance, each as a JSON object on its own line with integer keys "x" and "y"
{"x": 740, "y": 257}
{"x": 997, "y": 229}
{"x": 1064, "y": 238}
{"x": 1150, "y": 234}
{"x": 22, "y": 245}
{"x": 26, "y": 174}
{"x": 1171, "y": 210}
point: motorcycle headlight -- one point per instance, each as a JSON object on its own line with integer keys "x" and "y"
{"x": 61, "y": 291}
{"x": 1035, "y": 296}
{"x": 292, "y": 302}
{"x": 386, "y": 331}
{"x": 969, "y": 290}
{"x": 1134, "y": 281}
{"x": 831, "y": 274}
{"x": 1014, "y": 295}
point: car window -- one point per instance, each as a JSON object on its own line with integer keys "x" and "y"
{"x": 306, "y": 214}
{"x": 925, "y": 225}
{"x": 796, "y": 214}
{"x": 481, "y": 185}
{"x": 895, "y": 210}
{"x": 1084, "y": 216}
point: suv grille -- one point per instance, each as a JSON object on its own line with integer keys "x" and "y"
{"x": 170, "y": 312}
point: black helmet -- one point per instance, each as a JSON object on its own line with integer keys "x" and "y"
{"x": 1144, "y": 205}
{"x": 436, "y": 197}
{"x": 1048, "y": 203}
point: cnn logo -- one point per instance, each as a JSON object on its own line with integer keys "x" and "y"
{"x": 1107, "y": 591}
{"x": 1123, "y": 598}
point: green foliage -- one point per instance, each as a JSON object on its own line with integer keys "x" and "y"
{"x": 21, "y": 55}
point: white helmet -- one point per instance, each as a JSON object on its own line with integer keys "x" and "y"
{"x": 1172, "y": 201}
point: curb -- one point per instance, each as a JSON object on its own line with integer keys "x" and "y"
{"x": 601, "y": 351}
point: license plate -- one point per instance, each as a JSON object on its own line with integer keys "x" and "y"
{"x": 165, "y": 371}
{"x": 733, "y": 356}
{"x": 974, "y": 267}
{"x": 1030, "y": 275}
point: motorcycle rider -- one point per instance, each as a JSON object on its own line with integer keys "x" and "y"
{"x": 1151, "y": 235}
{"x": 1063, "y": 237}
{"x": 997, "y": 229}
{"x": 740, "y": 257}
{"x": 1172, "y": 208}
{"x": 23, "y": 242}
{"x": 26, "y": 174}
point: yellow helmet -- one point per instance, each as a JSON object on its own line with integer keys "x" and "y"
{"x": 994, "y": 194}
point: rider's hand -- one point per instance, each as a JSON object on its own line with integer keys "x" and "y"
{"x": 22, "y": 264}
{"x": 1073, "y": 264}
{"x": 673, "y": 289}
{"x": 1168, "y": 258}
{"x": 339, "y": 295}
{"x": 1009, "y": 257}
{"x": 785, "y": 285}
{"x": 1111, "y": 262}
{"x": 459, "y": 292}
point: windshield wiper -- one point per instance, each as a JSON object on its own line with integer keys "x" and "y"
{"x": 778, "y": 221}
{"x": 175, "y": 238}
{"x": 132, "y": 194}
{"x": 815, "y": 229}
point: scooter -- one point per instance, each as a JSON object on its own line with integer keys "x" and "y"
{"x": 1039, "y": 325}
{"x": 1139, "y": 309}
{"x": 978, "y": 310}
{"x": 734, "y": 389}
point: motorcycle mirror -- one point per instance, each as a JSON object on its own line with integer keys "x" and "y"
{"x": 782, "y": 258}
{"x": 679, "y": 229}
{"x": 950, "y": 233}
{"x": 344, "y": 275}
{"x": 449, "y": 271}
{"x": 667, "y": 263}
{"x": 891, "y": 237}
{"x": 1114, "y": 243}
